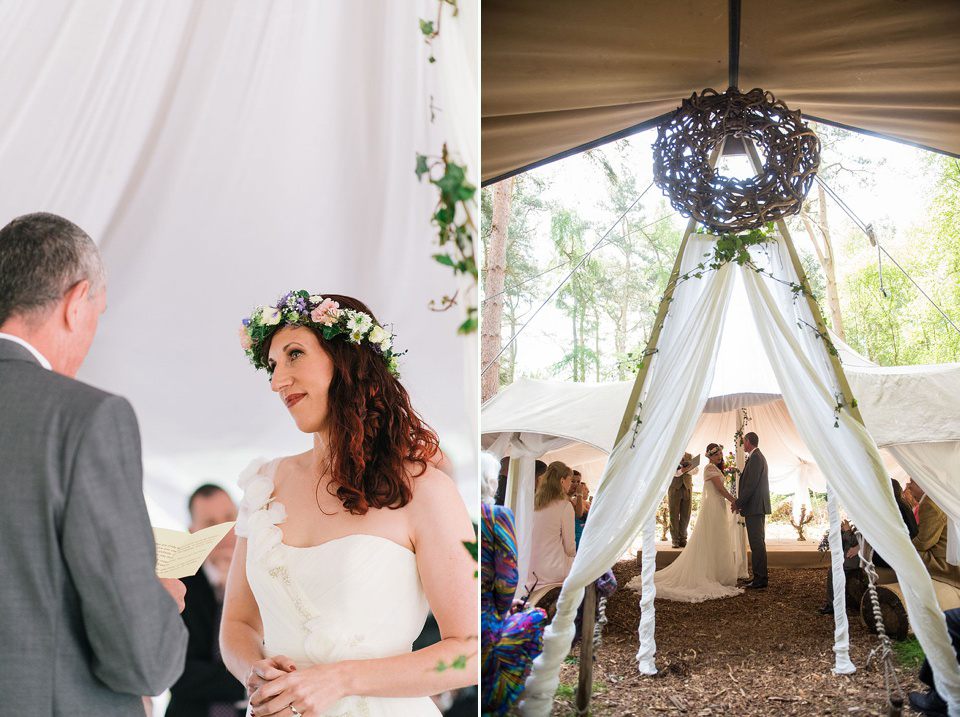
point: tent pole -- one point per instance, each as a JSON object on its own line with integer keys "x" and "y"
{"x": 587, "y": 626}
{"x": 808, "y": 295}
{"x": 647, "y": 358}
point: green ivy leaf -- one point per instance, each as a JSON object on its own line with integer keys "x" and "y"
{"x": 444, "y": 259}
{"x": 468, "y": 326}
{"x": 426, "y": 27}
{"x": 422, "y": 167}
{"x": 460, "y": 663}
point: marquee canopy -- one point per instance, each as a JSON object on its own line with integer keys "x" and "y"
{"x": 560, "y": 76}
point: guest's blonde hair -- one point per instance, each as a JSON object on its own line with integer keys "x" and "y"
{"x": 550, "y": 489}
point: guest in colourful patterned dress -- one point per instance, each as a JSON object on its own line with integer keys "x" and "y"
{"x": 511, "y": 637}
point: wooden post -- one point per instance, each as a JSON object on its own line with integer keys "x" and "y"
{"x": 585, "y": 686}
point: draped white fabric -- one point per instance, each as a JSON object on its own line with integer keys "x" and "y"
{"x": 841, "y": 633}
{"x": 221, "y": 153}
{"x": 846, "y": 454}
{"x": 641, "y": 466}
{"x": 675, "y": 393}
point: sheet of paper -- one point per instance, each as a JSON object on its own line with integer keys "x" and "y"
{"x": 693, "y": 464}
{"x": 181, "y": 554}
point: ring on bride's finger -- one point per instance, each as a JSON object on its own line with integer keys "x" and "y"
{"x": 296, "y": 712}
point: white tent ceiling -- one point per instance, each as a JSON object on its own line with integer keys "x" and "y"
{"x": 221, "y": 153}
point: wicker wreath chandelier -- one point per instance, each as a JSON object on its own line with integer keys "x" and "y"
{"x": 724, "y": 204}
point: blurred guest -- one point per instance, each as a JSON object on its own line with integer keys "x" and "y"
{"x": 554, "y": 532}
{"x": 680, "y": 500}
{"x": 576, "y": 497}
{"x": 538, "y": 470}
{"x": 510, "y": 637}
{"x": 909, "y": 519}
{"x": 931, "y": 538}
{"x": 206, "y": 688}
{"x": 580, "y": 519}
{"x": 930, "y": 703}
{"x": 501, "y": 495}
{"x": 851, "y": 564}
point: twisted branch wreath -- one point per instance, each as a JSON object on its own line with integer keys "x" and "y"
{"x": 725, "y": 204}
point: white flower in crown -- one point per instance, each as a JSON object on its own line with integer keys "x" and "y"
{"x": 378, "y": 335}
{"x": 358, "y": 323}
{"x": 271, "y": 316}
{"x": 386, "y": 344}
{"x": 316, "y": 299}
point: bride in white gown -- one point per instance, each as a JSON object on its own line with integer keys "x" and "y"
{"x": 708, "y": 567}
{"x": 341, "y": 549}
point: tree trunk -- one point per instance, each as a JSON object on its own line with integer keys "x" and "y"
{"x": 496, "y": 272}
{"x": 827, "y": 262}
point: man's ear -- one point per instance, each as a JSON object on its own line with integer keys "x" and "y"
{"x": 73, "y": 303}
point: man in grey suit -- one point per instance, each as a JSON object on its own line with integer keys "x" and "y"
{"x": 753, "y": 503}
{"x": 85, "y": 625}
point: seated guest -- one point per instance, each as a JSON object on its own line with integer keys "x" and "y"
{"x": 206, "y": 688}
{"x": 906, "y": 512}
{"x": 931, "y": 703}
{"x": 510, "y": 637}
{"x": 931, "y": 538}
{"x": 554, "y": 543}
{"x": 851, "y": 564}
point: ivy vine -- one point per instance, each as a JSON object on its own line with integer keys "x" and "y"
{"x": 451, "y": 216}
{"x": 735, "y": 248}
{"x": 455, "y": 227}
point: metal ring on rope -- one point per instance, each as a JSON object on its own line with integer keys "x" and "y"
{"x": 724, "y": 204}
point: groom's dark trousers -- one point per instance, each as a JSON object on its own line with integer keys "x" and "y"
{"x": 754, "y": 503}
{"x": 85, "y": 626}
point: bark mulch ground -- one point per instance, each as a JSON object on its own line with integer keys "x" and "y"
{"x": 765, "y": 652}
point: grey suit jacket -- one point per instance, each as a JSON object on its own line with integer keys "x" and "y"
{"x": 85, "y": 627}
{"x": 754, "y": 495}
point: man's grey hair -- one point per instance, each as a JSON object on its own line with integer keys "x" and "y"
{"x": 41, "y": 257}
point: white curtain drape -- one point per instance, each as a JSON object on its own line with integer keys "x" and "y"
{"x": 846, "y": 454}
{"x": 222, "y": 153}
{"x": 641, "y": 465}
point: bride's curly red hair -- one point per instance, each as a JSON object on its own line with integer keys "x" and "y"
{"x": 375, "y": 435}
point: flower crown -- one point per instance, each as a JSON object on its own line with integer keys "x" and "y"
{"x": 300, "y": 308}
{"x": 715, "y": 450}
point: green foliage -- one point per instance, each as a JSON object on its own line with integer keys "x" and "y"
{"x": 472, "y": 548}
{"x": 455, "y": 194}
{"x": 454, "y": 224}
{"x": 909, "y": 653}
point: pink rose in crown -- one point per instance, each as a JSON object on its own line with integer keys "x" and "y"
{"x": 326, "y": 313}
{"x": 245, "y": 341}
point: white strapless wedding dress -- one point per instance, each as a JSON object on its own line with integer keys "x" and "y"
{"x": 353, "y": 598}
{"x": 709, "y": 566}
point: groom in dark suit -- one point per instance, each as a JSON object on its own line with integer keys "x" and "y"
{"x": 753, "y": 503}
{"x": 86, "y": 627}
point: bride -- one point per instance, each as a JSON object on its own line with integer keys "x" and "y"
{"x": 342, "y": 548}
{"x": 708, "y": 567}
